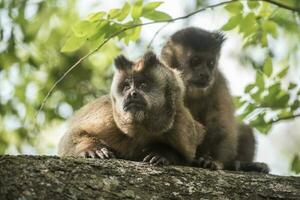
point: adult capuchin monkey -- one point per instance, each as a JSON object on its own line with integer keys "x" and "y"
{"x": 143, "y": 118}
{"x": 195, "y": 52}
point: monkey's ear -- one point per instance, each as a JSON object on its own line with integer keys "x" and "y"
{"x": 122, "y": 63}
{"x": 219, "y": 38}
{"x": 150, "y": 59}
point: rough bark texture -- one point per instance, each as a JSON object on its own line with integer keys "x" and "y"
{"x": 44, "y": 177}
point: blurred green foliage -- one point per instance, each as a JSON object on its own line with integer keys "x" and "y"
{"x": 32, "y": 34}
{"x": 41, "y": 40}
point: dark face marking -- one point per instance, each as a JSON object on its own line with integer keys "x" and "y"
{"x": 196, "y": 53}
{"x": 134, "y": 88}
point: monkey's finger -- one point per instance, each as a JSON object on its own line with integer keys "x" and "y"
{"x": 207, "y": 164}
{"x": 100, "y": 154}
{"x": 162, "y": 161}
{"x": 213, "y": 166}
{"x": 105, "y": 153}
{"x": 111, "y": 154}
{"x": 148, "y": 157}
{"x": 91, "y": 154}
{"x": 154, "y": 159}
{"x": 200, "y": 162}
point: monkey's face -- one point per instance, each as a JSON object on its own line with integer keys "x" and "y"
{"x": 195, "y": 52}
{"x": 137, "y": 89}
{"x": 198, "y": 68}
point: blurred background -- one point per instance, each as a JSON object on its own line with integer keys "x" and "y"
{"x": 41, "y": 40}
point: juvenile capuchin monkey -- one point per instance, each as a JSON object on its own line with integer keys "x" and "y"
{"x": 143, "y": 119}
{"x": 195, "y": 52}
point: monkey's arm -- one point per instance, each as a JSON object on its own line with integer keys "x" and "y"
{"x": 92, "y": 132}
{"x": 220, "y": 143}
{"x": 186, "y": 134}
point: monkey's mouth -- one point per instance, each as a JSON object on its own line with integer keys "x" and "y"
{"x": 134, "y": 105}
{"x": 199, "y": 83}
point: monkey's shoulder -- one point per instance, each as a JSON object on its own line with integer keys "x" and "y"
{"x": 95, "y": 114}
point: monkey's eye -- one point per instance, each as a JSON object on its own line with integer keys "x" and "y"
{"x": 126, "y": 86}
{"x": 195, "y": 61}
{"x": 210, "y": 63}
{"x": 143, "y": 85}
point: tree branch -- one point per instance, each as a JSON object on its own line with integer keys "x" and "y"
{"x": 114, "y": 35}
{"x": 144, "y": 24}
{"x": 281, "y": 5}
{"x": 283, "y": 118}
{"x": 48, "y": 178}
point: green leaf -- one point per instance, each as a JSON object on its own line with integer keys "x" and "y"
{"x": 264, "y": 128}
{"x": 132, "y": 34}
{"x": 151, "y": 6}
{"x": 270, "y": 27}
{"x": 248, "y": 24}
{"x": 137, "y": 9}
{"x": 249, "y": 109}
{"x": 114, "y": 13}
{"x": 232, "y": 23}
{"x": 281, "y": 100}
{"x": 283, "y": 72}
{"x": 259, "y": 120}
{"x": 264, "y": 40}
{"x": 249, "y": 87}
{"x": 268, "y": 68}
{"x": 86, "y": 28}
{"x": 260, "y": 80}
{"x": 157, "y": 16}
{"x": 73, "y": 43}
{"x": 296, "y": 164}
{"x": 253, "y": 4}
{"x": 234, "y": 8}
{"x": 273, "y": 91}
{"x": 295, "y": 105}
{"x": 292, "y": 86}
{"x": 96, "y": 16}
{"x": 124, "y": 12}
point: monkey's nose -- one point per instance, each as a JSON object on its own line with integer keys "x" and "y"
{"x": 203, "y": 77}
{"x": 134, "y": 94}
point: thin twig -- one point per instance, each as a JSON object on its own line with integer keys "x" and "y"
{"x": 156, "y": 33}
{"x": 281, "y": 5}
{"x": 283, "y": 118}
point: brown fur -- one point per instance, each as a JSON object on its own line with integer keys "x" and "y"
{"x": 211, "y": 105}
{"x": 169, "y": 126}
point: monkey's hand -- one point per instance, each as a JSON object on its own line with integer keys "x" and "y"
{"x": 207, "y": 163}
{"x": 101, "y": 152}
{"x": 155, "y": 158}
{"x": 161, "y": 154}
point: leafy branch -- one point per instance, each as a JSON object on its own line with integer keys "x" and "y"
{"x": 118, "y": 33}
{"x": 281, "y": 5}
{"x": 283, "y": 118}
{"x": 145, "y": 24}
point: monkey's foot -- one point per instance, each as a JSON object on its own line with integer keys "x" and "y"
{"x": 155, "y": 158}
{"x": 102, "y": 153}
{"x": 207, "y": 163}
{"x": 251, "y": 167}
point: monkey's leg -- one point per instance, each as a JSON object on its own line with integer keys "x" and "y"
{"x": 246, "y": 143}
{"x": 161, "y": 154}
{"x": 220, "y": 143}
